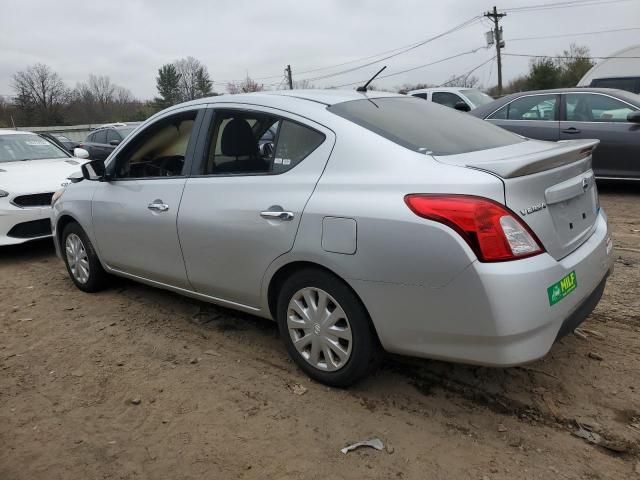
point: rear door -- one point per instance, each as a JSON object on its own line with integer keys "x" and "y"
{"x": 136, "y": 210}
{"x": 242, "y": 205}
{"x": 594, "y": 115}
{"x": 534, "y": 116}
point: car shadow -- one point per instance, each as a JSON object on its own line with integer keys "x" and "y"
{"x": 28, "y": 252}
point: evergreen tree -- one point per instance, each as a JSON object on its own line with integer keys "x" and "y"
{"x": 168, "y": 85}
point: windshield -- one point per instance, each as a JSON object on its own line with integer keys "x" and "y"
{"x": 18, "y": 147}
{"x": 424, "y": 127}
{"x": 477, "y": 97}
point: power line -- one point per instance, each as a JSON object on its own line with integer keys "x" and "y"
{"x": 567, "y": 4}
{"x": 386, "y": 55}
{"x": 466, "y": 75}
{"x": 577, "y": 34}
{"x": 564, "y": 56}
{"x": 415, "y": 68}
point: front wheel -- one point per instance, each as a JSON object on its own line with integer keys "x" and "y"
{"x": 81, "y": 259}
{"x": 326, "y": 329}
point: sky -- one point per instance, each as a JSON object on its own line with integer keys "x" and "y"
{"x": 129, "y": 40}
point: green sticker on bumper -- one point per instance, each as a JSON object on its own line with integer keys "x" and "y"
{"x": 561, "y": 289}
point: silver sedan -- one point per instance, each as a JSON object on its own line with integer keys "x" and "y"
{"x": 360, "y": 222}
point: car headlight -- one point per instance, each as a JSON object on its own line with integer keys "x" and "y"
{"x": 3, "y": 194}
{"x": 56, "y": 196}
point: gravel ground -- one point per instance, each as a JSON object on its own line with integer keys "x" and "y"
{"x": 137, "y": 383}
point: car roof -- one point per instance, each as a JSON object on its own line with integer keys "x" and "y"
{"x": 484, "y": 110}
{"x": 14, "y": 132}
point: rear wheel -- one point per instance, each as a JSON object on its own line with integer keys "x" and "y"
{"x": 81, "y": 259}
{"x": 326, "y": 329}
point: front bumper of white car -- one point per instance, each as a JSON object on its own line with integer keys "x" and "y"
{"x": 24, "y": 217}
{"x": 496, "y": 314}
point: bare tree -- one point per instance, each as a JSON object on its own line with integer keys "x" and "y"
{"x": 194, "y": 79}
{"x": 40, "y": 93}
{"x": 407, "y": 87}
{"x": 245, "y": 86}
{"x": 462, "y": 81}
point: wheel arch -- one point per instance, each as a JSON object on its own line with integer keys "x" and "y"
{"x": 64, "y": 220}
{"x": 285, "y": 271}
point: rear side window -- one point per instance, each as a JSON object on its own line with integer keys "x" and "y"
{"x": 424, "y": 127}
{"x": 100, "y": 136}
{"x": 253, "y": 143}
{"x": 530, "y": 107}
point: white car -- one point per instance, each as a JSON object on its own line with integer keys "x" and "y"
{"x": 31, "y": 170}
{"x": 464, "y": 99}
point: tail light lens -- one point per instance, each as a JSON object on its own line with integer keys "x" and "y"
{"x": 492, "y": 231}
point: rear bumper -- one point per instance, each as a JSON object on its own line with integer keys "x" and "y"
{"x": 495, "y": 314}
{"x": 20, "y": 225}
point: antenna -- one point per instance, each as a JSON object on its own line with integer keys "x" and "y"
{"x": 364, "y": 87}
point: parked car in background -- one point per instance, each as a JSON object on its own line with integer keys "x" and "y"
{"x": 376, "y": 221}
{"x": 611, "y": 116}
{"x": 61, "y": 140}
{"x": 102, "y": 141}
{"x": 31, "y": 169}
{"x": 463, "y": 99}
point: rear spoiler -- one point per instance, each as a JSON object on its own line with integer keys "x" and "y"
{"x": 560, "y": 153}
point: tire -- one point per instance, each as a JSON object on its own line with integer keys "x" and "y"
{"x": 337, "y": 347}
{"x": 81, "y": 260}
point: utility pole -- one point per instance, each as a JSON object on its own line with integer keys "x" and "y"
{"x": 497, "y": 33}
{"x": 287, "y": 71}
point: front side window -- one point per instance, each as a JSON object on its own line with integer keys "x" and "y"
{"x": 158, "y": 151}
{"x": 251, "y": 143}
{"x": 447, "y": 99}
{"x": 18, "y": 147}
{"x": 534, "y": 107}
{"x": 590, "y": 107}
{"x": 423, "y": 127}
{"x": 629, "y": 84}
{"x": 420, "y": 95}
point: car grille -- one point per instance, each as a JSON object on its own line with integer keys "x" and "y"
{"x": 34, "y": 200}
{"x": 32, "y": 229}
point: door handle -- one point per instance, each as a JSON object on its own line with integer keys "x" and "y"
{"x": 158, "y": 206}
{"x": 571, "y": 130}
{"x": 277, "y": 215}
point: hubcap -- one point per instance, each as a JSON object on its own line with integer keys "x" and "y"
{"x": 77, "y": 258}
{"x": 319, "y": 329}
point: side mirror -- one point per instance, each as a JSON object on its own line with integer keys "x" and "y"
{"x": 462, "y": 106}
{"x": 93, "y": 170}
{"x": 634, "y": 117}
{"x": 114, "y": 142}
{"x": 80, "y": 153}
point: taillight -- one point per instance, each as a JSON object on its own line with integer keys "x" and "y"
{"x": 492, "y": 231}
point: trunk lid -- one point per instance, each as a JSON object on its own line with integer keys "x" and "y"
{"x": 550, "y": 186}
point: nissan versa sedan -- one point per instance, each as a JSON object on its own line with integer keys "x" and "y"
{"x": 31, "y": 169}
{"x": 609, "y": 115}
{"x": 374, "y": 222}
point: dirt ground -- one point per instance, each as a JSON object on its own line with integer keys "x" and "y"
{"x": 136, "y": 383}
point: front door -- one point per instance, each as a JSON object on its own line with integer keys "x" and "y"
{"x": 136, "y": 210}
{"x": 242, "y": 206}
{"x": 594, "y": 115}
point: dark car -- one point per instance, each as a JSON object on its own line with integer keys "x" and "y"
{"x": 609, "y": 115}
{"x": 62, "y": 141}
{"x": 102, "y": 141}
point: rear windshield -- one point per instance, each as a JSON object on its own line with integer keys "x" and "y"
{"x": 424, "y": 127}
